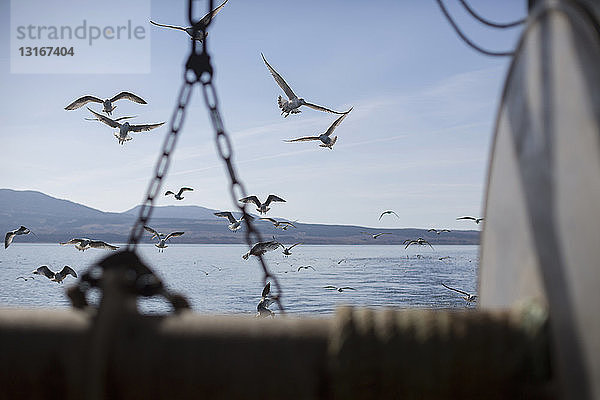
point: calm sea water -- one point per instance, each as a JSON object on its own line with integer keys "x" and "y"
{"x": 216, "y": 279}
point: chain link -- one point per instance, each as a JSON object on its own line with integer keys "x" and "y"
{"x": 199, "y": 70}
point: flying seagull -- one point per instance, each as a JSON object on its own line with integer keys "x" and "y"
{"x": 162, "y": 242}
{"x": 325, "y": 138}
{"x": 287, "y": 250}
{"x": 376, "y": 235}
{"x": 25, "y": 278}
{"x": 341, "y": 289}
{"x": 178, "y": 195}
{"x": 106, "y": 104}
{"x": 292, "y": 105}
{"x": 10, "y": 235}
{"x": 477, "y": 220}
{"x": 418, "y": 241}
{"x": 55, "y": 276}
{"x": 83, "y": 244}
{"x": 261, "y": 248}
{"x": 154, "y": 232}
{"x": 306, "y": 267}
{"x": 265, "y": 301}
{"x": 234, "y": 224}
{"x": 190, "y": 30}
{"x": 279, "y": 224}
{"x": 388, "y": 212}
{"x": 123, "y": 134}
{"x": 262, "y": 207}
{"x": 471, "y": 298}
{"x": 438, "y": 231}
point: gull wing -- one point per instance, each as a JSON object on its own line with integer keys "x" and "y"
{"x": 9, "y": 238}
{"x": 208, "y": 17}
{"x": 456, "y": 290}
{"x": 303, "y": 139}
{"x": 282, "y": 84}
{"x": 321, "y": 108}
{"x": 251, "y": 199}
{"x": 44, "y": 270}
{"x": 250, "y": 217}
{"x": 348, "y": 287}
{"x": 168, "y": 26}
{"x": 173, "y": 234}
{"x": 270, "y": 245}
{"x": 152, "y": 231}
{"x": 73, "y": 241}
{"x": 432, "y": 230}
{"x": 144, "y": 128}
{"x": 287, "y": 223}
{"x": 228, "y": 215}
{"x": 99, "y": 244}
{"x": 274, "y": 221}
{"x": 168, "y": 192}
{"x": 68, "y": 271}
{"x": 329, "y": 287}
{"x": 266, "y": 290}
{"x": 116, "y": 119}
{"x": 471, "y": 218}
{"x": 272, "y": 198}
{"x": 335, "y": 124}
{"x": 185, "y": 189}
{"x": 295, "y": 244}
{"x": 409, "y": 243}
{"x": 389, "y": 212}
{"x": 108, "y": 121}
{"x": 83, "y": 101}
{"x": 128, "y": 96}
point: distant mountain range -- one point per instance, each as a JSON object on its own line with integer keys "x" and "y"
{"x": 55, "y": 220}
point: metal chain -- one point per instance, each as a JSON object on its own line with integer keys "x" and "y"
{"x": 162, "y": 165}
{"x": 199, "y": 69}
{"x": 199, "y": 63}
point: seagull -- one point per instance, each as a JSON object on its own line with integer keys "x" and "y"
{"x": 83, "y": 244}
{"x": 10, "y": 235}
{"x": 341, "y": 289}
{"x": 55, "y": 276}
{"x": 286, "y": 250}
{"x": 438, "y": 231}
{"x": 106, "y": 104}
{"x": 471, "y": 298}
{"x": 162, "y": 242}
{"x": 376, "y": 235}
{"x": 234, "y": 224}
{"x": 342, "y": 260}
{"x": 388, "y": 212}
{"x": 265, "y": 301}
{"x": 261, "y": 248}
{"x": 292, "y": 105}
{"x": 24, "y": 278}
{"x": 262, "y": 207}
{"x": 190, "y": 30}
{"x": 154, "y": 232}
{"x": 179, "y": 196}
{"x": 123, "y": 134}
{"x": 477, "y": 220}
{"x": 419, "y": 241}
{"x": 444, "y": 258}
{"x": 306, "y": 267}
{"x": 279, "y": 224}
{"x": 325, "y": 138}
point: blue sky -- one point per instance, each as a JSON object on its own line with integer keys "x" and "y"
{"x": 417, "y": 141}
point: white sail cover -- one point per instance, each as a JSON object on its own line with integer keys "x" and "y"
{"x": 541, "y": 238}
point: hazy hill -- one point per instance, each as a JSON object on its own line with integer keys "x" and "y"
{"x": 55, "y": 220}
